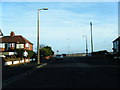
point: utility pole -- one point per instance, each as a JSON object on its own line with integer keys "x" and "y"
{"x": 91, "y": 38}
{"x": 38, "y": 42}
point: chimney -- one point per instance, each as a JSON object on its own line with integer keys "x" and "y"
{"x": 1, "y": 34}
{"x": 12, "y": 34}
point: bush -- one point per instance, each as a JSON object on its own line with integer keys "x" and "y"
{"x": 31, "y": 54}
{"x": 20, "y": 53}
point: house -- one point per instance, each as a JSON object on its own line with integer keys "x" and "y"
{"x": 8, "y": 45}
{"x": 12, "y": 42}
{"x": 116, "y": 46}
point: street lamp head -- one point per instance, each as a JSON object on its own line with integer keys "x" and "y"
{"x": 84, "y": 35}
{"x": 90, "y": 23}
{"x": 43, "y": 9}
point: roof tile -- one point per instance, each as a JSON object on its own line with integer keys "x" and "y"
{"x": 15, "y": 39}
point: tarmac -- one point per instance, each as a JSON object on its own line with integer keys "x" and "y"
{"x": 11, "y": 74}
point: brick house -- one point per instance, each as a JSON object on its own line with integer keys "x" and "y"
{"x": 8, "y": 45}
{"x": 12, "y": 42}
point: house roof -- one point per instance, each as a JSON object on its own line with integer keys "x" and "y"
{"x": 15, "y": 39}
{"x": 118, "y": 39}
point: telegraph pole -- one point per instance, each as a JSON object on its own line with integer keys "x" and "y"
{"x": 38, "y": 42}
{"x": 91, "y": 37}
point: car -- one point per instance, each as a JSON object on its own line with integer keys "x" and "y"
{"x": 59, "y": 57}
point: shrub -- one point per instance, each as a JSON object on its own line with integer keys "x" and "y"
{"x": 20, "y": 53}
{"x": 31, "y": 54}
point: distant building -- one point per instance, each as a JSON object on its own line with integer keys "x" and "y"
{"x": 101, "y": 53}
{"x": 12, "y": 42}
{"x": 116, "y": 46}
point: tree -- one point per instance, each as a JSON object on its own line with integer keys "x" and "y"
{"x": 46, "y": 51}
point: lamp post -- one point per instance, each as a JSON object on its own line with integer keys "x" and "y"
{"x": 86, "y": 45}
{"x": 68, "y": 47}
{"x": 91, "y": 37}
{"x": 38, "y": 35}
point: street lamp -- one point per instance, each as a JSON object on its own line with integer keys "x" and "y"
{"x": 38, "y": 36}
{"x": 68, "y": 47}
{"x": 86, "y": 45}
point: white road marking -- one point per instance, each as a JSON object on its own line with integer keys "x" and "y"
{"x": 41, "y": 65}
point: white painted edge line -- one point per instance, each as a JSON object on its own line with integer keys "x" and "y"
{"x": 41, "y": 65}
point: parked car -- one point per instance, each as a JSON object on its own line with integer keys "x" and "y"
{"x": 59, "y": 57}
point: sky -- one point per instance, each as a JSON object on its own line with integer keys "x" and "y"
{"x": 63, "y": 25}
{"x": 59, "y": 0}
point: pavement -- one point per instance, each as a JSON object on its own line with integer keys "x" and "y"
{"x": 10, "y": 74}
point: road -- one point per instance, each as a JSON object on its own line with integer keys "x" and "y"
{"x": 72, "y": 72}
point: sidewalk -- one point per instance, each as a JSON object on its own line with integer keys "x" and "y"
{"x": 9, "y": 72}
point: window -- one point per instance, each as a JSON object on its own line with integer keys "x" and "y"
{"x": 2, "y": 45}
{"x": 117, "y": 45}
{"x": 114, "y": 45}
{"x": 9, "y": 45}
{"x": 12, "y": 44}
{"x": 27, "y": 45}
{"x": 20, "y": 46}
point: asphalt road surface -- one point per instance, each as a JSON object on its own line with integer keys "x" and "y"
{"x": 72, "y": 72}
